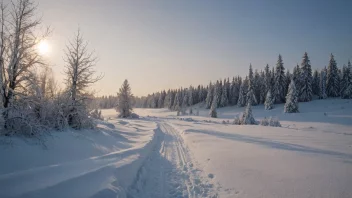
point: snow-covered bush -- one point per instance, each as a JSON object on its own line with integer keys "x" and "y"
{"x": 96, "y": 114}
{"x": 247, "y": 117}
{"x": 274, "y": 122}
{"x": 134, "y": 116}
{"x": 237, "y": 120}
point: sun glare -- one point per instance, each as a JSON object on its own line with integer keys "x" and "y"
{"x": 43, "y": 47}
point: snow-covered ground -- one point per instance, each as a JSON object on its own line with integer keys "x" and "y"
{"x": 162, "y": 155}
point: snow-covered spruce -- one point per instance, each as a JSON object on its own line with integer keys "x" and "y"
{"x": 212, "y": 111}
{"x": 306, "y": 91}
{"x": 247, "y": 117}
{"x": 291, "y": 105}
{"x": 210, "y": 96}
{"x": 269, "y": 102}
{"x": 125, "y": 97}
{"x": 279, "y": 82}
{"x": 332, "y": 81}
{"x": 322, "y": 85}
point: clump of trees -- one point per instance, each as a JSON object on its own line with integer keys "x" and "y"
{"x": 30, "y": 101}
{"x": 268, "y": 87}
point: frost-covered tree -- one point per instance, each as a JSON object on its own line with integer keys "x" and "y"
{"x": 267, "y": 73}
{"x": 177, "y": 101}
{"x": 80, "y": 74}
{"x": 224, "y": 98}
{"x": 262, "y": 88}
{"x": 332, "y": 81}
{"x": 210, "y": 96}
{"x": 191, "y": 94}
{"x": 218, "y": 92}
{"x": 346, "y": 91}
{"x": 306, "y": 91}
{"x": 214, "y": 104}
{"x": 279, "y": 80}
{"x": 185, "y": 99}
{"x": 296, "y": 76}
{"x": 322, "y": 85}
{"x": 291, "y": 105}
{"x": 125, "y": 99}
{"x": 250, "y": 93}
{"x": 288, "y": 81}
{"x": 316, "y": 83}
{"x": 269, "y": 102}
{"x": 242, "y": 99}
{"x": 247, "y": 116}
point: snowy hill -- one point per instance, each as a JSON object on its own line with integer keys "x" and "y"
{"x": 162, "y": 155}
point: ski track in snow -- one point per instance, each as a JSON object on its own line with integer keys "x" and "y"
{"x": 169, "y": 170}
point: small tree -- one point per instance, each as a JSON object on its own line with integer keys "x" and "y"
{"x": 269, "y": 102}
{"x": 291, "y": 105}
{"x": 247, "y": 118}
{"x": 125, "y": 98}
{"x": 213, "y": 112}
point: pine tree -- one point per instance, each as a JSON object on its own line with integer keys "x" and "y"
{"x": 210, "y": 96}
{"x": 250, "y": 94}
{"x": 125, "y": 98}
{"x": 218, "y": 92}
{"x": 296, "y": 76}
{"x": 190, "y": 96}
{"x": 332, "y": 81}
{"x": 288, "y": 81}
{"x": 262, "y": 88}
{"x": 291, "y": 105}
{"x": 346, "y": 92}
{"x": 316, "y": 83}
{"x": 185, "y": 99}
{"x": 177, "y": 104}
{"x": 213, "y": 112}
{"x": 242, "y": 93}
{"x": 306, "y": 91}
{"x": 322, "y": 86}
{"x": 269, "y": 102}
{"x": 247, "y": 117}
{"x": 224, "y": 98}
{"x": 267, "y": 73}
{"x": 279, "y": 86}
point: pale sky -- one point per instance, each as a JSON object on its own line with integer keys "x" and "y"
{"x": 168, "y": 44}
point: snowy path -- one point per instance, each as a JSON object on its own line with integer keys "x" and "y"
{"x": 169, "y": 171}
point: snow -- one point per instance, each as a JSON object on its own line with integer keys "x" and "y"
{"x": 164, "y": 155}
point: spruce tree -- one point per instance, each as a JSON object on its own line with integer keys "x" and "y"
{"x": 269, "y": 102}
{"x": 250, "y": 94}
{"x": 247, "y": 117}
{"x": 125, "y": 99}
{"x": 346, "y": 93}
{"x": 306, "y": 91}
{"x": 291, "y": 105}
{"x": 332, "y": 78}
{"x": 210, "y": 96}
{"x": 316, "y": 83}
{"x": 224, "y": 98}
{"x": 296, "y": 76}
{"x": 267, "y": 73}
{"x": 322, "y": 85}
{"x": 279, "y": 80}
{"x": 262, "y": 88}
{"x": 212, "y": 111}
{"x": 242, "y": 93}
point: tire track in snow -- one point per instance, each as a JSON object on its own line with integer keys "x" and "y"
{"x": 169, "y": 170}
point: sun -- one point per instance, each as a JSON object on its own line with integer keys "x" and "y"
{"x": 43, "y": 47}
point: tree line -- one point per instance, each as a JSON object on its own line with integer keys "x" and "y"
{"x": 268, "y": 86}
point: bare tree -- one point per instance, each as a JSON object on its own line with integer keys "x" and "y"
{"x": 18, "y": 53}
{"x": 80, "y": 74}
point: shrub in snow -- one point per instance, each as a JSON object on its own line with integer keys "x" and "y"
{"x": 125, "y": 99}
{"x": 236, "y": 120}
{"x": 247, "y": 117}
{"x": 96, "y": 114}
{"x": 274, "y": 122}
{"x": 269, "y": 102}
{"x": 134, "y": 116}
{"x": 291, "y": 105}
{"x": 264, "y": 122}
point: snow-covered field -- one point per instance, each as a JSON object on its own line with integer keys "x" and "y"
{"x": 162, "y": 155}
